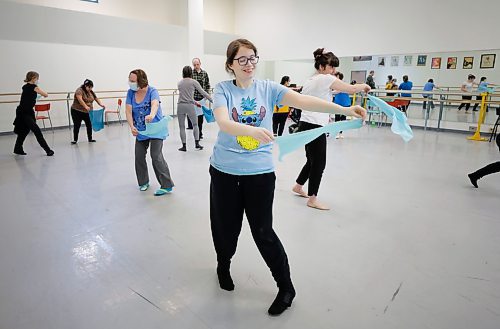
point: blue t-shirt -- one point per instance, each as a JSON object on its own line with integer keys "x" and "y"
{"x": 406, "y": 86}
{"x": 142, "y": 109}
{"x": 342, "y": 99}
{"x": 244, "y": 155}
{"x": 429, "y": 86}
{"x": 483, "y": 87}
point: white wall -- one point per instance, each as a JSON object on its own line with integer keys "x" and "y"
{"x": 64, "y": 67}
{"x": 66, "y": 47}
{"x": 219, "y": 15}
{"x": 293, "y": 29}
{"x": 160, "y": 11}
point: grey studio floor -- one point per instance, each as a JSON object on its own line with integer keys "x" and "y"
{"x": 409, "y": 243}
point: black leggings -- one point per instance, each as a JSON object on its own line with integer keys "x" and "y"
{"x": 316, "y": 161}
{"x": 467, "y": 105}
{"x": 24, "y": 124}
{"x": 279, "y": 121}
{"x": 200, "y": 124}
{"x": 78, "y": 117}
{"x": 487, "y": 170}
{"x": 230, "y": 197}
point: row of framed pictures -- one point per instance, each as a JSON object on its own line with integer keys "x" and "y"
{"x": 487, "y": 61}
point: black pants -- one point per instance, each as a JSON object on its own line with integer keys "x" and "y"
{"x": 340, "y": 117}
{"x": 316, "y": 161}
{"x": 25, "y": 123}
{"x": 404, "y": 108}
{"x": 467, "y": 105}
{"x": 479, "y": 99}
{"x": 78, "y": 117}
{"x": 230, "y": 197}
{"x": 489, "y": 169}
{"x": 279, "y": 121}
{"x": 200, "y": 124}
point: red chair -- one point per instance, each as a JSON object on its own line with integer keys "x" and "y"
{"x": 117, "y": 111}
{"x": 398, "y": 103}
{"x": 43, "y": 108}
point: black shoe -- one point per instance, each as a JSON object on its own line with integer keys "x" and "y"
{"x": 473, "y": 180}
{"x": 183, "y": 149}
{"x": 92, "y": 141}
{"x": 201, "y": 136}
{"x": 225, "y": 280}
{"x": 189, "y": 128}
{"x": 198, "y": 146}
{"x": 475, "y": 110}
{"x": 282, "y": 301}
{"x": 50, "y": 153}
{"x": 19, "y": 152}
{"x": 73, "y": 142}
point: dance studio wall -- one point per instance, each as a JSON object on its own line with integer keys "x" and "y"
{"x": 292, "y": 29}
{"x": 159, "y": 11}
{"x": 67, "y": 46}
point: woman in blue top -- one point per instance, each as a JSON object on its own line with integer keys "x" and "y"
{"x": 482, "y": 88}
{"x": 143, "y": 106}
{"x": 241, "y": 166}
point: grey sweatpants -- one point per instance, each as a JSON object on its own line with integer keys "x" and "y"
{"x": 183, "y": 110}
{"x": 159, "y": 164}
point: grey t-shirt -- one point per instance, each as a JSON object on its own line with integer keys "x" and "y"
{"x": 187, "y": 87}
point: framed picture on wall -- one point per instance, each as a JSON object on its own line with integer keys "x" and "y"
{"x": 358, "y": 76}
{"x": 407, "y": 60}
{"x": 436, "y": 63}
{"x": 422, "y": 60}
{"x": 451, "y": 63}
{"x": 468, "y": 63}
{"x": 381, "y": 61}
{"x": 361, "y": 58}
{"x": 394, "y": 60}
{"x": 488, "y": 61}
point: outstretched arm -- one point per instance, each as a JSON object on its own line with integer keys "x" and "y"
{"x": 314, "y": 104}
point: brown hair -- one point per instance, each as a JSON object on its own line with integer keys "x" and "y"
{"x": 142, "y": 78}
{"x": 233, "y": 48}
{"x": 30, "y": 75}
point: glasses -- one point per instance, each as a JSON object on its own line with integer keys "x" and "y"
{"x": 243, "y": 60}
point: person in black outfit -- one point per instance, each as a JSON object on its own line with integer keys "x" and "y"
{"x": 25, "y": 115}
{"x": 281, "y": 112}
{"x": 489, "y": 169}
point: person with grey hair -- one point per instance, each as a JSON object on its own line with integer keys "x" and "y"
{"x": 202, "y": 77}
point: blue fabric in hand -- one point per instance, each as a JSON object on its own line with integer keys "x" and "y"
{"x": 290, "y": 143}
{"x": 157, "y": 130}
{"x": 97, "y": 119}
{"x": 208, "y": 114}
{"x": 399, "y": 121}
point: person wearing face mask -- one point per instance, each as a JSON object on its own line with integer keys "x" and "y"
{"x": 143, "y": 106}
{"x": 242, "y": 178}
{"x": 82, "y": 104}
{"x": 25, "y": 115}
{"x": 321, "y": 86}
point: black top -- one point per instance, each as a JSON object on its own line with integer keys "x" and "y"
{"x": 28, "y": 97}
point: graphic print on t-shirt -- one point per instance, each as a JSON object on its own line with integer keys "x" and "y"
{"x": 142, "y": 111}
{"x": 250, "y": 117}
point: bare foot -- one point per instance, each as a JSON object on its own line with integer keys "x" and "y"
{"x": 298, "y": 190}
{"x": 314, "y": 203}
